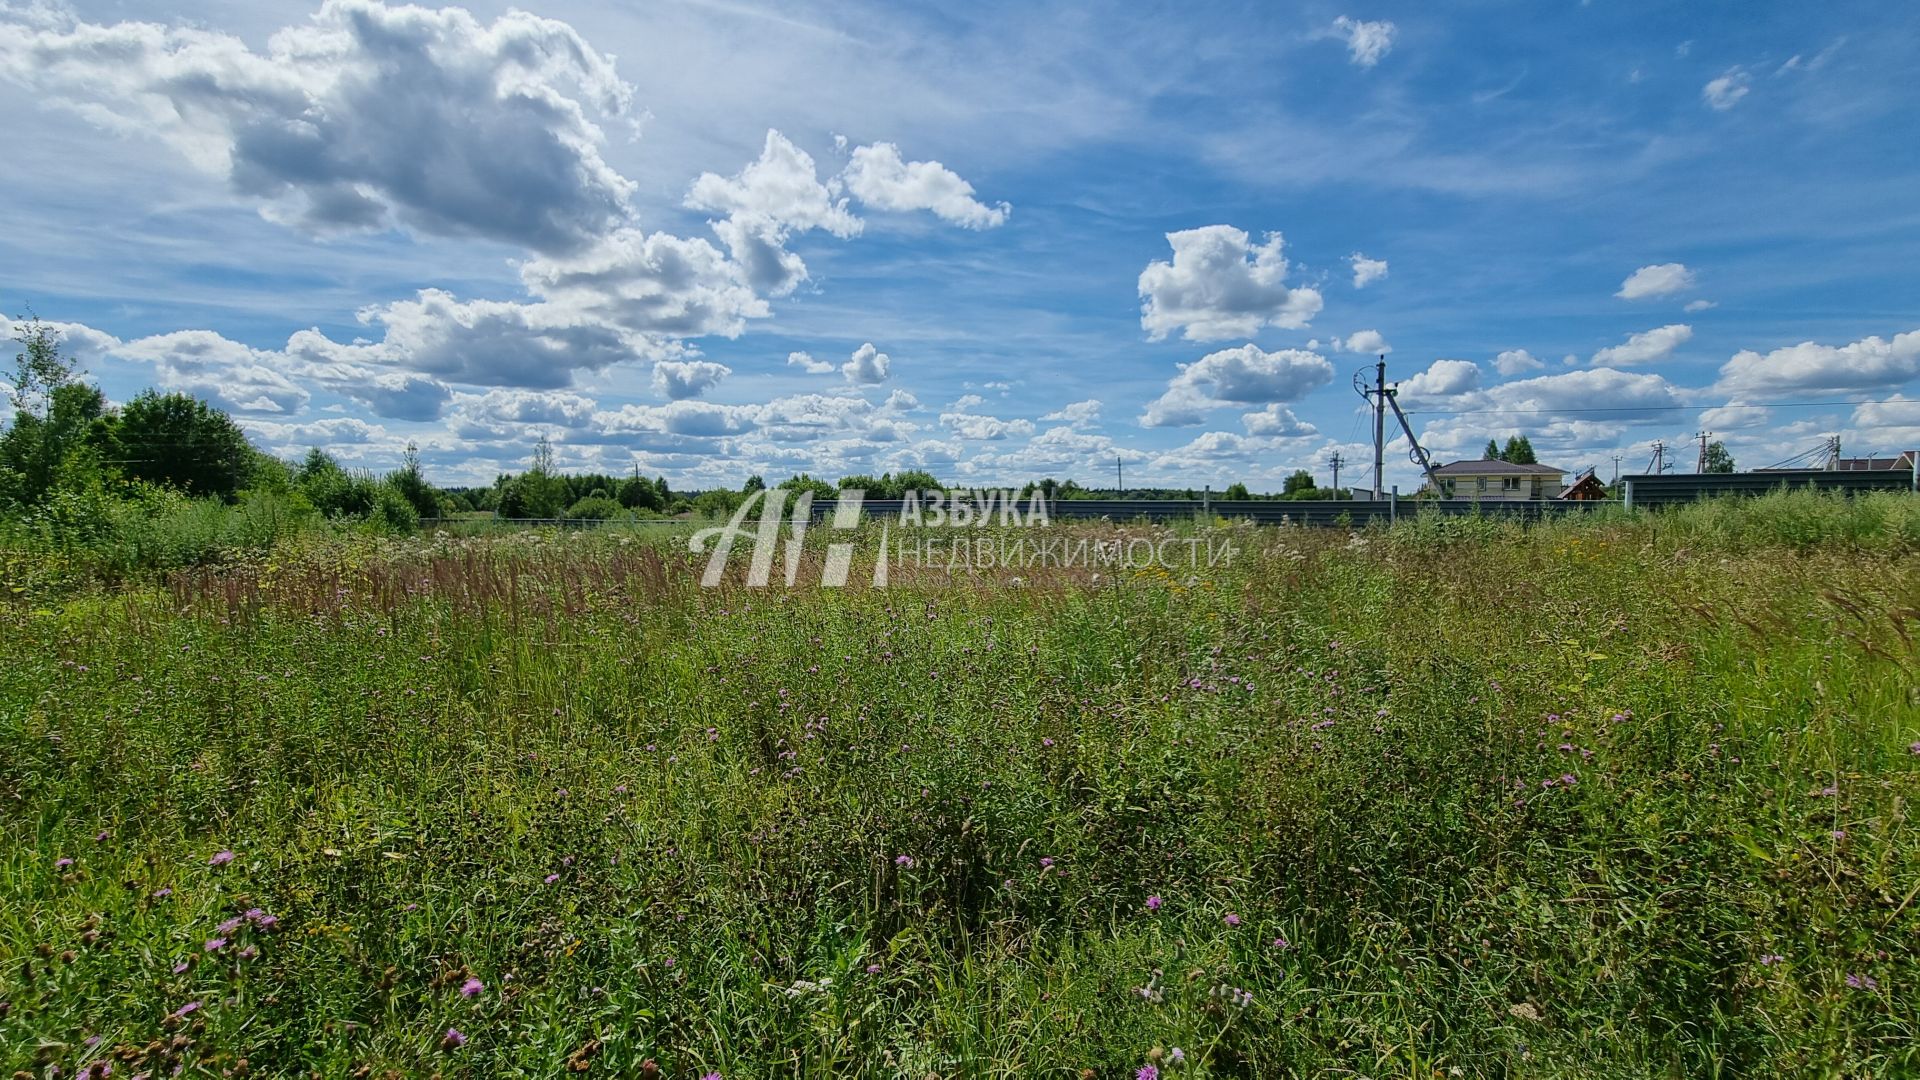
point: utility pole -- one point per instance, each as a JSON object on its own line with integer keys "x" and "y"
{"x": 1336, "y": 461}
{"x": 1833, "y": 452}
{"x": 1616, "y": 471}
{"x": 1120, "y": 478}
{"x": 1659, "y": 463}
{"x": 1379, "y": 426}
{"x": 1703, "y": 435}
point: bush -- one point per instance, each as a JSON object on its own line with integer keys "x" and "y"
{"x": 595, "y": 508}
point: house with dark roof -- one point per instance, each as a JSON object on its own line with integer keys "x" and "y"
{"x": 1494, "y": 481}
{"x": 1585, "y": 487}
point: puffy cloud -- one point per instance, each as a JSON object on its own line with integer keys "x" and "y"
{"x": 694, "y": 419}
{"x": 781, "y": 187}
{"x": 1662, "y": 280}
{"x": 1367, "y": 42}
{"x": 1868, "y": 364}
{"x": 1079, "y": 412}
{"x": 901, "y": 401}
{"x": 1515, "y": 361}
{"x": 363, "y": 117}
{"x": 973, "y": 426}
{"x": 1367, "y": 341}
{"x": 867, "y": 366}
{"x": 1244, "y": 375}
{"x": 806, "y": 362}
{"x": 880, "y": 178}
{"x": 1725, "y": 91}
{"x": 1220, "y": 285}
{"x": 1366, "y": 271}
{"x": 1645, "y": 347}
{"x": 1699, "y": 305}
{"x": 649, "y": 283}
{"x": 1443, "y": 382}
{"x": 766, "y": 202}
{"x": 677, "y": 379}
{"x": 1276, "y": 421}
{"x": 228, "y": 374}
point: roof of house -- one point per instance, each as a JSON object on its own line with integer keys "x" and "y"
{"x": 1902, "y": 460}
{"x": 1585, "y": 479}
{"x": 1486, "y": 467}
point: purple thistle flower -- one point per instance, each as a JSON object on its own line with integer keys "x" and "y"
{"x": 471, "y": 988}
{"x": 62, "y": 864}
{"x": 551, "y": 878}
{"x": 186, "y": 1010}
{"x": 1046, "y": 863}
{"x": 1913, "y": 748}
{"x": 903, "y": 861}
{"x": 249, "y": 953}
{"x": 1771, "y": 959}
{"x": 1176, "y": 1056}
{"x": 1282, "y": 943}
{"x": 180, "y": 968}
{"x": 162, "y": 894}
{"x": 215, "y": 944}
{"x": 220, "y": 858}
{"x": 710, "y": 1076}
{"x": 1147, "y": 1072}
{"x": 452, "y": 1040}
{"x": 1049, "y": 743}
{"x": 1862, "y": 982}
{"x": 873, "y": 969}
{"x": 228, "y": 927}
{"x": 1153, "y": 903}
{"x": 101, "y": 836}
{"x": 267, "y": 922}
{"x": 1232, "y": 919}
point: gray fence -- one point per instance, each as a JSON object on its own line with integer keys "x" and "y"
{"x": 1649, "y": 491}
{"x": 1265, "y": 511}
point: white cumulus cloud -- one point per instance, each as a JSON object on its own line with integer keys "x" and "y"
{"x": 1662, "y": 280}
{"x": 1871, "y": 363}
{"x": 1644, "y": 347}
{"x": 879, "y": 177}
{"x": 1221, "y": 285}
{"x": 1366, "y": 271}
{"x": 867, "y": 366}
{"x": 1243, "y": 376}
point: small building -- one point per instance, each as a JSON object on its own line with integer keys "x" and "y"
{"x": 1494, "y": 480}
{"x": 1585, "y": 488}
{"x": 1893, "y": 463}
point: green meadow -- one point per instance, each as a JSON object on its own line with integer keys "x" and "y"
{"x": 1619, "y": 796}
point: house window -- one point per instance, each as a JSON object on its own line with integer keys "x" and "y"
{"x": 1479, "y": 483}
{"x": 1510, "y": 483}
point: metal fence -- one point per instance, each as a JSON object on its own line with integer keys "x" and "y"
{"x": 1324, "y": 512}
{"x": 1650, "y": 491}
{"x": 1642, "y": 492}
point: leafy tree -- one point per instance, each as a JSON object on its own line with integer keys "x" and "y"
{"x": 1718, "y": 460}
{"x": 1236, "y": 492}
{"x": 594, "y": 508}
{"x": 412, "y": 486}
{"x": 820, "y": 488}
{"x": 916, "y": 480}
{"x": 1519, "y": 451}
{"x": 181, "y": 442}
{"x": 61, "y": 429}
{"x": 1301, "y": 481}
{"x": 754, "y": 483}
{"x": 1492, "y": 452}
{"x": 639, "y": 493}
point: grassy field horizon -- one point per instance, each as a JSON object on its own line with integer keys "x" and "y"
{"x": 1626, "y": 796}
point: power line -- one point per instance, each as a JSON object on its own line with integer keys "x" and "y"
{"x": 1665, "y": 408}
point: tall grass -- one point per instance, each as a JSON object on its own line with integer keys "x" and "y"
{"x": 1622, "y": 798}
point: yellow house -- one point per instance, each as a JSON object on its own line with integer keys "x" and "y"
{"x": 1493, "y": 481}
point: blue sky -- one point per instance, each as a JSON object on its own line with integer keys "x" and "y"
{"x": 996, "y": 241}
